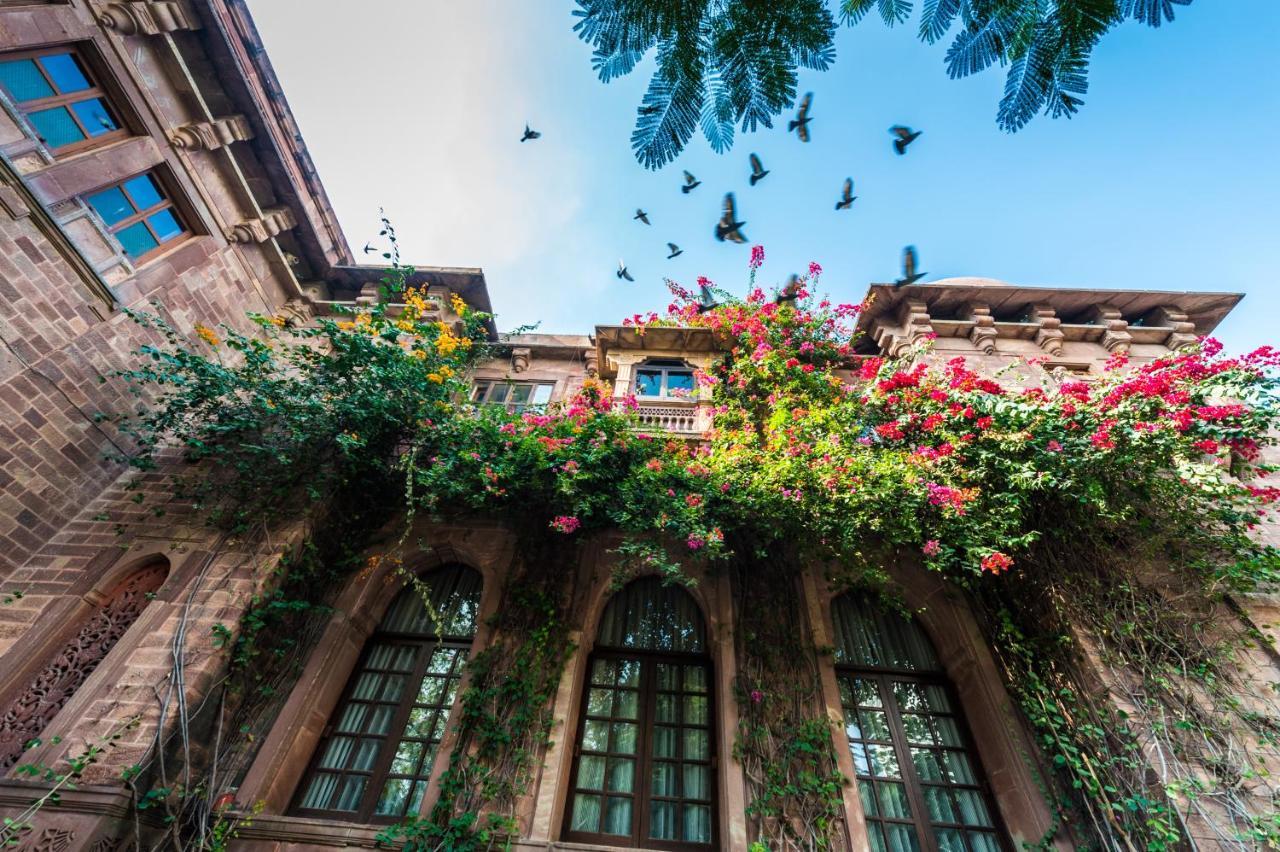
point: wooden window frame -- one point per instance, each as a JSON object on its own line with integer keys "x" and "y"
{"x": 59, "y": 99}
{"x": 921, "y": 823}
{"x": 167, "y": 202}
{"x": 666, "y": 370}
{"x": 640, "y": 796}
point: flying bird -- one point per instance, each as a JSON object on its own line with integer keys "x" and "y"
{"x": 905, "y": 137}
{"x": 690, "y": 183}
{"x": 529, "y": 134}
{"x": 729, "y": 228}
{"x": 758, "y": 171}
{"x": 641, "y": 215}
{"x": 369, "y": 249}
{"x": 846, "y": 197}
{"x": 790, "y": 291}
{"x": 801, "y": 122}
{"x": 706, "y": 299}
{"x": 675, "y": 250}
{"x": 622, "y": 271}
{"x": 909, "y": 274}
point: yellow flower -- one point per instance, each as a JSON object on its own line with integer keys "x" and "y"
{"x": 278, "y": 321}
{"x": 435, "y": 377}
{"x": 420, "y": 354}
{"x": 459, "y": 306}
{"x": 404, "y": 324}
{"x": 207, "y": 335}
{"x": 346, "y": 326}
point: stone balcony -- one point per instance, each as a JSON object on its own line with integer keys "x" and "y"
{"x": 686, "y": 419}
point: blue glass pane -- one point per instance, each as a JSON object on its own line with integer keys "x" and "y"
{"x": 94, "y": 116}
{"x": 55, "y": 127}
{"x": 23, "y": 80}
{"x": 143, "y": 191}
{"x": 111, "y": 205}
{"x": 65, "y": 72}
{"x": 165, "y": 224}
{"x": 136, "y": 240}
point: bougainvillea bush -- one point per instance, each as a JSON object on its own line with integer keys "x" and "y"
{"x": 816, "y": 453}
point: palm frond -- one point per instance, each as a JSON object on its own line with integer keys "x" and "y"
{"x": 894, "y": 11}
{"x": 936, "y": 17}
{"x": 1030, "y": 78}
{"x": 852, "y": 11}
{"x": 975, "y": 49}
{"x": 1150, "y": 12}
{"x": 1068, "y": 87}
{"x": 668, "y": 118}
{"x": 717, "y": 114}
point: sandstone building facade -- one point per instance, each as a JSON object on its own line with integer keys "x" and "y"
{"x": 148, "y": 161}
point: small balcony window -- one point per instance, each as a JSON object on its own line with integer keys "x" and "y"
{"x": 515, "y": 397}
{"x": 664, "y": 380}
{"x": 140, "y": 214}
{"x": 61, "y": 98}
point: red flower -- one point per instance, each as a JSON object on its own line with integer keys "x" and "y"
{"x": 995, "y": 562}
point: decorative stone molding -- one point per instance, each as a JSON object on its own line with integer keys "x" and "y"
{"x": 1116, "y": 337}
{"x": 211, "y": 135}
{"x": 369, "y": 294}
{"x": 272, "y": 222}
{"x": 1184, "y": 331}
{"x": 592, "y": 361}
{"x": 520, "y": 358}
{"x": 915, "y": 326}
{"x": 147, "y": 17}
{"x": 50, "y": 840}
{"x": 1049, "y": 336}
{"x": 983, "y": 334}
{"x": 298, "y": 310}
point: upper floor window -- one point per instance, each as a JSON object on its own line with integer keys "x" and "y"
{"x": 140, "y": 214}
{"x": 643, "y": 774}
{"x": 59, "y": 95}
{"x": 921, "y": 786}
{"x": 375, "y": 760}
{"x": 665, "y": 379}
{"x": 514, "y": 396}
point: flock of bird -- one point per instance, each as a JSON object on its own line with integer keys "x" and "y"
{"x": 729, "y": 228}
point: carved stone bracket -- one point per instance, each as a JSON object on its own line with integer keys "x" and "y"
{"x": 983, "y": 334}
{"x": 915, "y": 326}
{"x": 520, "y": 358}
{"x": 592, "y": 361}
{"x": 298, "y": 310}
{"x": 273, "y": 222}
{"x": 148, "y": 17}
{"x": 1116, "y": 337}
{"x": 211, "y": 135}
{"x": 1184, "y": 331}
{"x": 1049, "y": 336}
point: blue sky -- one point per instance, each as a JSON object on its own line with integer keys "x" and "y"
{"x": 1169, "y": 178}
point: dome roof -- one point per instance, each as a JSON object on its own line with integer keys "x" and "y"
{"x": 966, "y": 281}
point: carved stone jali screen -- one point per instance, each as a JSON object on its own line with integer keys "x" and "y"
{"x": 49, "y": 691}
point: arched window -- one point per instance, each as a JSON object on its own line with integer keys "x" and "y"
{"x": 35, "y": 707}
{"x": 375, "y": 759}
{"x": 643, "y": 770}
{"x": 921, "y": 786}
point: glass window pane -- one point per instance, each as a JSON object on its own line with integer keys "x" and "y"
{"x": 23, "y": 80}
{"x": 697, "y": 823}
{"x": 697, "y": 782}
{"x": 668, "y": 677}
{"x": 366, "y": 754}
{"x": 648, "y": 383}
{"x": 860, "y": 763}
{"x": 55, "y": 127}
{"x": 652, "y": 615}
{"x": 65, "y": 71}
{"x": 884, "y": 763}
{"x": 144, "y": 191}
{"x": 617, "y": 816}
{"x": 422, "y": 721}
{"x": 94, "y": 116}
{"x": 679, "y": 383}
{"x": 662, "y": 821}
{"x": 591, "y": 772}
{"x": 600, "y": 702}
{"x": 696, "y": 745}
{"x": 662, "y": 780}
{"x": 928, "y": 767}
{"x": 595, "y": 735}
{"x": 622, "y": 775}
{"x": 624, "y": 738}
{"x": 478, "y": 392}
{"x": 939, "y": 804}
{"x": 165, "y": 224}
{"x": 973, "y": 811}
{"x": 520, "y": 393}
{"x": 949, "y": 840}
{"x": 947, "y": 730}
{"x": 665, "y": 708}
{"x": 893, "y": 800}
{"x": 876, "y": 838}
{"x": 917, "y": 729}
{"x": 352, "y": 790}
{"x": 542, "y": 394}
{"x": 695, "y": 679}
{"x": 627, "y": 705}
{"x": 335, "y": 756}
{"x": 380, "y": 719}
{"x": 604, "y": 672}
{"x": 868, "y": 797}
{"x": 902, "y": 838}
{"x": 695, "y": 710}
{"x": 136, "y": 240}
{"x": 867, "y": 634}
{"x": 352, "y": 718}
{"x": 111, "y": 205}
{"x": 586, "y": 813}
{"x": 866, "y": 692}
{"x": 498, "y": 393}
{"x": 320, "y": 791}
{"x": 629, "y": 673}
{"x": 959, "y": 770}
{"x": 983, "y": 842}
{"x": 875, "y": 725}
{"x": 405, "y": 761}
{"x": 664, "y": 742}
{"x": 394, "y": 796}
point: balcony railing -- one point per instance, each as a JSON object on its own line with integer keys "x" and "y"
{"x": 676, "y": 418}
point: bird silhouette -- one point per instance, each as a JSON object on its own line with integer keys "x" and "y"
{"x": 758, "y": 171}
{"x": 690, "y": 183}
{"x": 529, "y": 134}
{"x": 706, "y": 299}
{"x": 622, "y": 271}
{"x": 905, "y": 137}
{"x": 675, "y": 250}
{"x": 846, "y": 197}
{"x": 790, "y": 291}
{"x": 641, "y": 215}
{"x": 729, "y": 228}
{"x": 909, "y": 274}
{"x": 801, "y": 122}
{"x": 369, "y": 249}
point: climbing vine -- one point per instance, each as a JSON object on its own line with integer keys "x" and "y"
{"x": 1097, "y": 527}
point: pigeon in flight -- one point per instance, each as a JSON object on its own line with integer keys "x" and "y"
{"x": 622, "y": 271}
{"x": 846, "y": 197}
{"x": 909, "y": 274}
{"x": 758, "y": 171}
{"x": 641, "y": 215}
{"x": 790, "y": 291}
{"x": 706, "y": 299}
{"x": 369, "y": 249}
{"x": 675, "y": 250}
{"x": 905, "y": 137}
{"x": 729, "y": 228}
{"x": 801, "y": 122}
{"x": 529, "y": 134}
{"x": 690, "y": 183}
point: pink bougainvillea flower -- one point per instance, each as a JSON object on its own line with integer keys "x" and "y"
{"x": 757, "y": 256}
{"x": 996, "y": 562}
{"x": 565, "y": 524}
{"x": 815, "y": 269}
{"x": 931, "y": 547}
